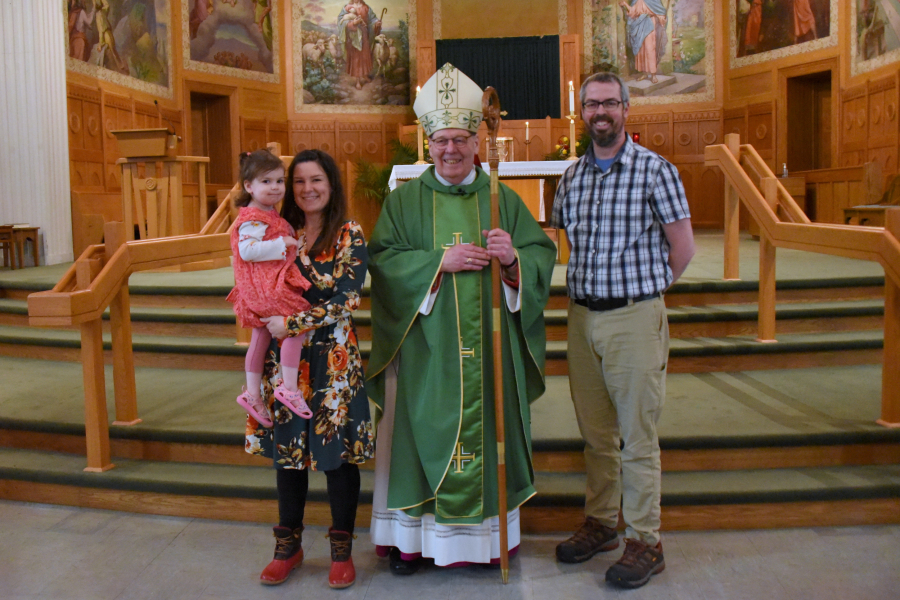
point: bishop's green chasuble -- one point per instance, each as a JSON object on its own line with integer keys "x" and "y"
{"x": 444, "y": 454}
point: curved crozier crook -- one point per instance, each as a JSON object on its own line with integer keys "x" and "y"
{"x": 490, "y": 108}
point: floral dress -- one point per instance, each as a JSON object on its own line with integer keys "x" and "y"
{"x": 331, "y": 372}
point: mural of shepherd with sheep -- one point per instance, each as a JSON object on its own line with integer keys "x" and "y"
{"x": 354, "y": 52}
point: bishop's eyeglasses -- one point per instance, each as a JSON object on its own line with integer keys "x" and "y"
{"x": 608, "y": 105}
{"x": 441, "y": 143}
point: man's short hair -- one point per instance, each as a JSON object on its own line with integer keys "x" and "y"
{"x": 605, "y": 77}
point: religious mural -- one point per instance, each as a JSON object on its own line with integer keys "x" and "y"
{"x": 768, "y": 29}
{"x": 876, "y": 24}
{"x": 663, "y": 49}
{"x": 231, "y": 37}
{"x": 351, "y": 55}
{"x": 124, "y": 41}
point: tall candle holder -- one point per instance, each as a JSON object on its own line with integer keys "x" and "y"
{"x": 527, "y": 143}
{"x": 573, "y": 155}
{"x": 421, "y": 143}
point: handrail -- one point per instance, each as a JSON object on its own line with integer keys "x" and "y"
{"x": 853, "y": 241}
{"x": 781, "y": 226}
{"x": 65, "y": 305}
{"x": 99, "y": 280}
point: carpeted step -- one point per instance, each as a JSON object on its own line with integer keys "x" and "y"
{"x": 555, "y": 490}
{"x": 684, "y": 321}
{"x": 147, "y": 320}
{"x": 756, "y": 419}
{"x": 689, "y": 355}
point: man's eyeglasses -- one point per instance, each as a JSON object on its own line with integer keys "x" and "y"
{"x": 441, "y": 143}
{"x": 608, "y": 105}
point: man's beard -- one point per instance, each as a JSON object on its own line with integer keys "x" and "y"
{"x": 607, "y": 138}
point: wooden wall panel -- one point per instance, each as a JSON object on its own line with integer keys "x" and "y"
{"x": 316, "y": 134}
{"x": 359, "y": 140}
{"x": 735, "y": 121}
{"x": 750, "y": 85}
{"x": 278, "y": 132}
{"x": 760, "y": 129}
{"x": 253, "y": 134}
{"x": 686, "y": 138}
{"x": 655, "y": 131}
{"x": 709, "y": 198}
{"x": 886, "y": 156}
{"x": 853, "y": 119}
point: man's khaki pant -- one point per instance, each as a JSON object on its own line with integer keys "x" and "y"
{"x": 617, "y": 376}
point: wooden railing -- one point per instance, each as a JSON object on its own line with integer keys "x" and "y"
{"x": 99, "y": 280}
{"x": 783, "y": 225}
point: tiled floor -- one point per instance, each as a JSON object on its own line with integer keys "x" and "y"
{"x": 60, "y": 553}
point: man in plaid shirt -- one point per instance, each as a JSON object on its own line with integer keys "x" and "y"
{"x": 629, "y": 230}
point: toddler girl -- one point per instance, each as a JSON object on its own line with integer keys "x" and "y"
{"x": 267, "y": 281}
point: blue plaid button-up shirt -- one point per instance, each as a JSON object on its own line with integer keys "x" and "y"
{"x": 614, "y": 220}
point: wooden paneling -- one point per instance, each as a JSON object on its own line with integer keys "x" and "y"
{"x": 760, "y": 128}
{"x": 313, "y": 134}
{"x": 750, "y": 85}
{"x": 260, "y": 103}
{"x": 830, "y": 191}
{"x": 93, "y": 151}
{"x": 569, "y": 68}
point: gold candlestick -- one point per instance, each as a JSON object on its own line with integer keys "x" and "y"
{"x": 573, "y": 155}
{"x": 421, "y": 142}
{"x": 527, "y": 144}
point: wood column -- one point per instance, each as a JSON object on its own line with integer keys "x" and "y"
{"x": 766, "y": 306}
{"x": 34, "y": 166}
{"x": 890, "y": 368}
{"x": 120, "y": 327}
{"x": 732, "y": 216}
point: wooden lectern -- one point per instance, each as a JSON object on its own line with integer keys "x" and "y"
{"x": 151, "y": 182}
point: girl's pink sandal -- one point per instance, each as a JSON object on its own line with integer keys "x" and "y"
{"x": 255, "y": 407}
{"x": 294, "y": 401}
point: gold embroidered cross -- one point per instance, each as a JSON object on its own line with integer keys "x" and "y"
{"x": 457, "y": 239}
{"x": 460, "y": 458}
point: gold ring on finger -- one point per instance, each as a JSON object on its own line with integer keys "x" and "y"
{"x": 469, "y": 261}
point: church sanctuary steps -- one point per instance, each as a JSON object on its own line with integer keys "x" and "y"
{"x": 177, "y": 323}
{"x": 696, "y": 500}
{"x": 794, "y": 421}
{"x": 759, "y": 444}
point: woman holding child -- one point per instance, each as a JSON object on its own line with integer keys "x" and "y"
{"x": 339, "y": 435}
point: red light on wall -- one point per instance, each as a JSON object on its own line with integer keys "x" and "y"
{"x": 636, "y": 138}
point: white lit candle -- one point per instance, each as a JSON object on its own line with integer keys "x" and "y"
{"x": 526, "y": 130}
{"x": 571, "y": 98}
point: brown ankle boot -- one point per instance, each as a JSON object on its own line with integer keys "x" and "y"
{"x": 342, "y": 573}
{"x": 288, "y": 556}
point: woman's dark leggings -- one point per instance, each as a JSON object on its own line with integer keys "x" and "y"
{"x": 343, "y": 496}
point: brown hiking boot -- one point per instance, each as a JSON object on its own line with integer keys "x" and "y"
{"x": 591, "y": 538}
{"x": 638, "y": 563}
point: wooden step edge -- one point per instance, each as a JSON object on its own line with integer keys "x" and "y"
{"x": 534, "y": 519}
{"x": 713, "y": 459}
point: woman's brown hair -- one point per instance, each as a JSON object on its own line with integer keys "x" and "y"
{"x": 335, "y": 212}
{"x": 253, "y": 164}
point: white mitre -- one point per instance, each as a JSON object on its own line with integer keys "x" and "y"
{"x": 449, "y": 100}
